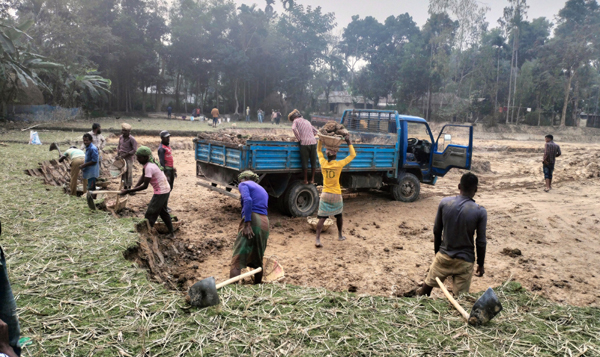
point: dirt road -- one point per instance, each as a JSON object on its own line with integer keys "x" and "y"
{"x": 390, "y": 244}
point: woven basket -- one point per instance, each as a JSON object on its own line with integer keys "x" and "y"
{"x": 331, "y": 142}
{"x": 118, "y": 167}
{"x": 312, "y": 222}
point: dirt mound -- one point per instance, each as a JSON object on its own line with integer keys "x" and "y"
{"x": 241, "y": 139}
{"x": 481, "y": 167}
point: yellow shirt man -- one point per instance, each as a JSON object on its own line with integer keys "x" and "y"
{"x": 332, "y": 169}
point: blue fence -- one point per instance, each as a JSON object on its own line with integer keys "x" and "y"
{"x": 41, "y": 113}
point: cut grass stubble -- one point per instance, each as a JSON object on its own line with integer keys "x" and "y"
{"x": 77, "y": 295}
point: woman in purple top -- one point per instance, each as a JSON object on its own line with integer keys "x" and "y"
{"x": 253, "y": 232}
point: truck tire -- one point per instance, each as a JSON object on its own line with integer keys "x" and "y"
{"x": 301, "y": 200}
{"x": 407, "y": 189}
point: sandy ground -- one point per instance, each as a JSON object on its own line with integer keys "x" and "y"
{"x": 390, "y": 244}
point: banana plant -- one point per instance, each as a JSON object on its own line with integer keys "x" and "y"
{"x": 19, "y": 66}
{"x": 87, "y": 89}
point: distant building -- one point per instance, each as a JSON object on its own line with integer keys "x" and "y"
{"x": 342, "y": 100}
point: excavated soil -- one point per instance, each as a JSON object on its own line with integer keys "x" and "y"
{"x": 547, "y": 241}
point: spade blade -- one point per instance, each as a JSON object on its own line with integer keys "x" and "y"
{"x": 485, "y": 308}
{"x": 204, "y": 293}
{"x": 90, "y": 201}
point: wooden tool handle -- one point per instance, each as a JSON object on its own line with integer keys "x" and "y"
{"x": 239, "y": 277}
{"x": 112, "y": 192}
{"x": 452, "y": 301}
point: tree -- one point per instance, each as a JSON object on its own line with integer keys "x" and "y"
{"x": 19, "y": 66}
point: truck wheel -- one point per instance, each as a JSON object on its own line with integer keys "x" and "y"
{"x": 407, "y": 189}
{"x": 302, "y": 200}
{"x": 282, "y": 205}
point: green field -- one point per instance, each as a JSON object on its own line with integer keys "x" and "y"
{"x": 78, "y": 296}
{"x": 46, "y": 136}
{"x": 158, "y": 124}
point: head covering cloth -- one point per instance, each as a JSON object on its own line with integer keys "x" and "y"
{"x": 331, "y": 152}
{"x": 125, "y": 126}
{"x": 145, "y": 151}
{"x": 248, "y": 175}
{"x": 294, "y": 114}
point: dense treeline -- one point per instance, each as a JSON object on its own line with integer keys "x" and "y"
{"x": 205, "y": 53}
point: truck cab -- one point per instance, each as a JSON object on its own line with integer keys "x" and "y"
{"x": 420, "y": 157}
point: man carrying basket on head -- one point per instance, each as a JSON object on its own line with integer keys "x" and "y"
{"x": 305, "y": 133}
{"x": 331, "y": 202}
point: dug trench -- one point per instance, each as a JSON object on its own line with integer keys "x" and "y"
{"x": 390, "y": 244}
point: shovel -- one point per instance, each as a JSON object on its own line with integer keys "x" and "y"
{"x": 204, "y": 293}
{"x": 90, "y": 198}
{"x": 484, "y": 309}
{"x": 53, "y": 147}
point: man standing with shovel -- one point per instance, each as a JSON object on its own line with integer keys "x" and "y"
{"x": 126, "y": 150}
{"x": 457, "y": 220}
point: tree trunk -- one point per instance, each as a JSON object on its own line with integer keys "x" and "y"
{"x": 235, "y": 96}
{"x": 563, "y": 118}
{"x": 144, "y": 98}
{"x": 244, "y": 108}
{"x": 185, "y": 93}
{"x": 177, "y": 92}
{"x": 516, "y": 79}
{"x": 576, "y": 103}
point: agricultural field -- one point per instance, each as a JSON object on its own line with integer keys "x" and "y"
{"x": 81, "y": 289}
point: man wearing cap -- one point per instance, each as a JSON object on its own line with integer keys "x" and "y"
{"x": 126, "y": 150}
{"x": 305, "y": 133}
{"x": 165, "y": 156}
{"x": 152, "y": 174}
{"x": 77, "y": 158}
{"x": 331, "y": 202}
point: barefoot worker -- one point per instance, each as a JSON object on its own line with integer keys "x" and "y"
{"x": 305, "y": 133}
{"x": 551, "y": 152}
{"x": 253, "y": 233}
{"x": 152, "y": 174}
{"x": 331, "y": 202}
{"x": 458, "y": 218}
{"x": 90, "y": 167}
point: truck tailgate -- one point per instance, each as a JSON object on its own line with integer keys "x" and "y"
{"x": 221, "y": 154}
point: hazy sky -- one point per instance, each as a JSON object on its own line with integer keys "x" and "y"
{"x": 381, "y": 9}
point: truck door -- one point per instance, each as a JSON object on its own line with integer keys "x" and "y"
{"x": 453, "y": 148}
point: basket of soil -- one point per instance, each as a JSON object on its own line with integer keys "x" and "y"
{"x": 161, "y": 227}
{"x": 312, "y": 222}
{"x": 332, "y": 135}
{"x": 112, "y": 204}
{"x": 118, "y": 167}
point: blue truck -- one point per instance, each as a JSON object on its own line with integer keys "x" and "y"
{"x": 394, "y": 152}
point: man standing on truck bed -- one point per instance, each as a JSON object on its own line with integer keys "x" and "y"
{"x": 331, "y": 202}
{"x": 551, "y": 152}
{"x": 458, "y": 218}
{"x": 305, "y": 133}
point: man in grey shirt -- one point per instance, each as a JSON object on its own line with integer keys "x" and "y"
{"x": 457, "y": 220}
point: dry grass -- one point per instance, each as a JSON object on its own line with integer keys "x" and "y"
{"x": 78, "y": 296}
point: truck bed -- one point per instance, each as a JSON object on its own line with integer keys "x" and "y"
{"x": 276, "y": 156}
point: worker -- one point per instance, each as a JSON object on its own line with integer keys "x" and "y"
{"x": 98, "y": 140}
{"x": 457, "y": 220}
{"x": 90, "y": 167}
{"x": 169, "y": 112}
{"x": 126, "y": 150}
{"x": 551, "y": 152}
{"x": 9, "y": 321}
{"x": 305, "y": 133}
{"x": 215, "y": 116}
{"x": 253, "y": 232}
{"x": 152, "y": 174}
{"x": 247, "y": 114}
{"x": 77, "y": 158}
{"x": 331, "y": 202}
{"x": 165, "y": 157}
